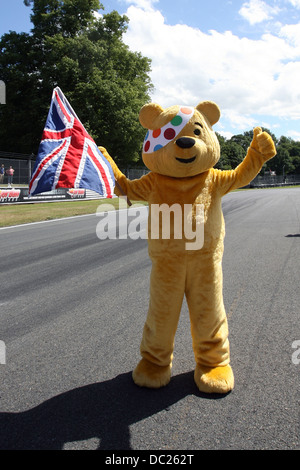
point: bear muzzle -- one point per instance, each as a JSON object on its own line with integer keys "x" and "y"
{"x": 185, "y": 142}
{"x": 186, "y": 160}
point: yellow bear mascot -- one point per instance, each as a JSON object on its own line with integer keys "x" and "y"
{"x": 180, "y": 150}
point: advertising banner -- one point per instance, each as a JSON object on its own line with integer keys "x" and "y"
{"x": 21, "y": 195}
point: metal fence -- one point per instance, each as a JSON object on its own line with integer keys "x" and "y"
{"x": 135, "y": 173}
{"x": 275, "y": 180}
{"x": 23, "y": 165}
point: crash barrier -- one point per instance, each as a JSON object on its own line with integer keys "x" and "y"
{"x": 269, "y": 181}
{"x": 14, "y": 195}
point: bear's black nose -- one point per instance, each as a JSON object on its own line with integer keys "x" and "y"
{"x": 185, "y": 142}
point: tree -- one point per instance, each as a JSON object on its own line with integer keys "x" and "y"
{"x": 294, "y": 151}
{"x": 67, "y": 17}
{"x": 85, "y": 56}
{"x": 283, "y": 162}
{"x": 232, "y": 152}
{"x": 243, "y": 140}
{"x": 20, "y": 117}
{"x": 224, "y": 162}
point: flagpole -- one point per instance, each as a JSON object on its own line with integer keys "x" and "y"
{"x": 64, "y": 100}
{"x": 123, "y": 194}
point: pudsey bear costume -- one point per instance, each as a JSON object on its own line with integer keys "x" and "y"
{"x": 180, "y": 150}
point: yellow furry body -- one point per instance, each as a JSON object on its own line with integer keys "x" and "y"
{"x": 196, "y": 274}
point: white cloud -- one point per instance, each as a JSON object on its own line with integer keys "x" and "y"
{"x": 291, "y": 32}
{"x": 144, "y": 4}
{"x": 256, "y": 11}
{"x": 97, "y": 15}
{"x": 295, "y": 135}
{"x": 225, "y": 134}
{"x": 246, "y": 77}
{"x": 295, "y": 3}
{"x": 238, "y": 120}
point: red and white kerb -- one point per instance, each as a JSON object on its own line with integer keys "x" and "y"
{"x": 159, "y": 138}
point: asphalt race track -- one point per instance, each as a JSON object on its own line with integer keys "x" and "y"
{"x": 72, "y": 309}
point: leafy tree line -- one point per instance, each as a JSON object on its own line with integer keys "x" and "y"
{"x": 82, "y": 53}
{"x": 287, "y": 160}
{"x": 105, "y": 82}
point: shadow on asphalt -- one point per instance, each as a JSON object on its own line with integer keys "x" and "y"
{"x": 291, "y": 235}
{"x": 102, "y": 410}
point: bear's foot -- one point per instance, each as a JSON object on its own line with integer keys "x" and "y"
{"x": 147, "y": 374}
{"x": 214, "y": 379}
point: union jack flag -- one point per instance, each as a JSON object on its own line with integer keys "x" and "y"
{"x": 68, "y": 157}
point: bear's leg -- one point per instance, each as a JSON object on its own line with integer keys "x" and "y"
{"x": 209, "y": 328}
{"x": 167, "y": 285}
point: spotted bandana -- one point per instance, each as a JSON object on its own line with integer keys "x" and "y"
{"x": 159, "y": 138}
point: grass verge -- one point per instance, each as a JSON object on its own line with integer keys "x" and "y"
{"x": 26, "y": 213}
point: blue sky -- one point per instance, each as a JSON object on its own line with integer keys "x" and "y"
{"x": 244, "y": 55}
{"x": 15, "y": 15}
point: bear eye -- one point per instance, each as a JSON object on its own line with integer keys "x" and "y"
{"x": 198, "y": 131}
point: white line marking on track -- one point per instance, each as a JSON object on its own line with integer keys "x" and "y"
{"x": 56, "y": 220}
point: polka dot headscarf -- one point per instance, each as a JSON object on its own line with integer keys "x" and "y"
{"x": 159, "y": 138}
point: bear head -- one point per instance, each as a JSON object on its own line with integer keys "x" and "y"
{"x": 180, "y": 141}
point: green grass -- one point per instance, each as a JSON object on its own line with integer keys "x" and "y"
{"x": 17, "y": 214}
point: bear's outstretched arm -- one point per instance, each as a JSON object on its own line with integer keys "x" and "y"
{"x": 262, "y": 149}
{"x": 135, "y": 190}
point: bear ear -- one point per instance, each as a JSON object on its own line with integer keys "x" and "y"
{"x": 211, "y": 110}
{"x": 149, "y": 113}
